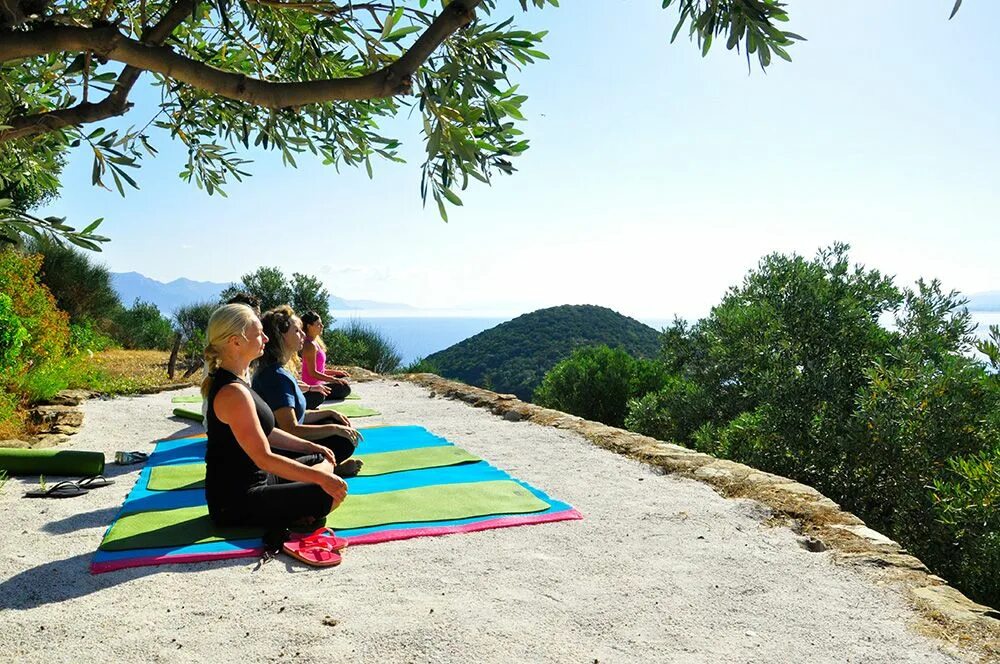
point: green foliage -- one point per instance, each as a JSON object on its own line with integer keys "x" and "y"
{"x": 82, "y": 288}
{"x": 596, "y": 382}
{"x": 420, "y": 365}
{"x": 83, "y": 338}
{"x": 793, "y": 373}
{"x": 34, "y": 334}
{"x": 267, "y": 284}
{"x": 13, "y": 336}
{"x": 143, "y": 326}
{"x": 309, "y": 294}
{"x": 514, "y": 357}
{"x": 470, "y": 110}
{"x": 361, "y": 345}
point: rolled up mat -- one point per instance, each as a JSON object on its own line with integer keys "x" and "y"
{"x": 188, "y": 414}
{"x": 51, "y": 462}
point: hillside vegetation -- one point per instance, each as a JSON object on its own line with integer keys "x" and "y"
{"x": 514, "y": 356}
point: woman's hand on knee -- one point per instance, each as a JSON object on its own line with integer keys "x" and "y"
{"x": 334, "y": 485}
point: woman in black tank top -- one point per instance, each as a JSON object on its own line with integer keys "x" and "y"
{"x": 247, "y": 482}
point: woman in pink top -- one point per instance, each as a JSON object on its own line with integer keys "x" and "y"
{"x": 314, "y": 359}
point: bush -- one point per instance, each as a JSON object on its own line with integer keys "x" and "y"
{"x": 13, "y": 336}
{"x": 81, "y": 288}
{"x": 33, "y": 335}
{"x": 596, "y": 383}
{"x": 34, "y": 307}
{"x": 793, "y": 373}
{"x": 361, "y": 345}
{"x": 143, "y": 326}
{"x": 83, "y": 338}
{"x": 420, "y": 365}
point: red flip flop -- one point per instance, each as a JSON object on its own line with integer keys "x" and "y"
{"x": 319, "y": 549}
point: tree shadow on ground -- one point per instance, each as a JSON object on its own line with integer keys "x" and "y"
{"x": 61, "y": 580}
{"x": 82, "y": 521}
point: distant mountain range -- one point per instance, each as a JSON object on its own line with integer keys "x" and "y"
{"x": 170, "y": 296}
{"x": 514, "y": 356}
{"x": 986, "y": 301}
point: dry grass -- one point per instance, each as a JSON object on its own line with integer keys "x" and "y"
{"x": 134, "y": 371}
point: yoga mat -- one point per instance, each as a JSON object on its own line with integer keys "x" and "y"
{"x": 434, "y": 503}
{"x": 192, "y": 476}
{"x": 196, "y": 398}
{"x": 189, "y": 414}
{"x": 192, "y": 525}
{"x": 176, "y": 527}
{"x": 377, "y": 440}
{"x": 351, "y": 410}
{"x": 51, "y": 462}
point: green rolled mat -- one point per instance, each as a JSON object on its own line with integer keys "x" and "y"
{"x": 351, "y": 410}
{"x": 189, "y": 414}
{"x": 51, "y": 462}
{"x": 192, "y": 475}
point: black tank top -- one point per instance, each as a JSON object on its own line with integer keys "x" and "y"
{"x": 229, "y": 471}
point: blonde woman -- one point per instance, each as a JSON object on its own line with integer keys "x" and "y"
{"x": 275, "y": 381}
{"x": 247, "y": 482}
{"x": 314, "y": 359}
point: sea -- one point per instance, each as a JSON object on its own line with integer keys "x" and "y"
{"x": 416, "y": 337}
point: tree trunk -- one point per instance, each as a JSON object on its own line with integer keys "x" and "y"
{"x": 172, "y": 365}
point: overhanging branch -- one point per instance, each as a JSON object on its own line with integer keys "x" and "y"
{"x": 110, "y": 44}
{"x": 116, "y": 103}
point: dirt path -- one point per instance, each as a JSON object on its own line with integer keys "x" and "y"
{"x": 660, "y": 569}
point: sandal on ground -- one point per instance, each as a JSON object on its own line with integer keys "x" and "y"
{"x": 65, "y": 489}
{"x": 320, "y": 549}
{"x": 129, "y": 458}
{"x": 94, "y": 482}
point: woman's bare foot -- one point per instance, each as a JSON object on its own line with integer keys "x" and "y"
{"x": 349, "y": 468}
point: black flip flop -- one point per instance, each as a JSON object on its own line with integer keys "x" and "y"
{"x": 65, "y": 489}
{"x": 94, "y": 482}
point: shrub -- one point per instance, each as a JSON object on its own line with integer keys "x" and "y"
{"x": 596, "y": 383}
{"x": 35, "y": 308}
{"x": 81, "y": 287}
{"x": 83, "y": 338}
{"x": 361, "y": 345}
{"x": 793, "y": 373}
{"x": 420, "y": 365}
{"x": 13, "y": 336}
{"x": 143, "y": 326}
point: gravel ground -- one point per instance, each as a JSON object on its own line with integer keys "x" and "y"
{"x": 660, "y": 569}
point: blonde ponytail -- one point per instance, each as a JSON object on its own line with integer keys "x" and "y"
{"x": 227, "y": 321}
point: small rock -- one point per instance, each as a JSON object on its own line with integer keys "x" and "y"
{"x": 433, "y": 394}
{"x": 512, "y": 416}
{"x": 812, "y": 544}
{"x": 330, "y": 622}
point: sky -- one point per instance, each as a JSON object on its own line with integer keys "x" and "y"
{"x": 655, "y": 179}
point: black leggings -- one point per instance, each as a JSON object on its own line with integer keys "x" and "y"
{"x": 277, "y": 503}
{"x": 341, "y": 447}
{"x": 337, "y": 393}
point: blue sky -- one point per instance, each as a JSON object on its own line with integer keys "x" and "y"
{"x": 655, "y": 178}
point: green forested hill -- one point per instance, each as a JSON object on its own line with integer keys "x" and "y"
{"x": 514, "y": 356}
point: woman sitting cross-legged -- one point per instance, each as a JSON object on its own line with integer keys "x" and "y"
{"x": 278, "y": 387}
{"x": 247, "y": 482}
{"x": 314, "y": 370}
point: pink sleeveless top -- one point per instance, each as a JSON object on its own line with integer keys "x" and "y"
{"x": 307, "y": 376}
